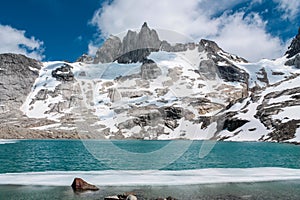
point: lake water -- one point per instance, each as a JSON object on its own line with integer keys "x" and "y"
{"x": 34, "y": 169}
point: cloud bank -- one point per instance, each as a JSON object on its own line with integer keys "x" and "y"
{"x": 15, "y": 41}
{"x": 237, "y": 32}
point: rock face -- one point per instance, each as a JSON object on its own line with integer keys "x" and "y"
{"x": 294, "y": 48}
{"x": 110, "y": 50}
{"x": 220, "y": 62}
{"x": 150, "y": 70}
{"x": 17, "y": 76}
{"x": 79, "y": 185}
{"x": 294, "y": 61}
{"x": 152, "y": 90}
{"x": 135, "y": 47}
{"x": 85, "y": 59}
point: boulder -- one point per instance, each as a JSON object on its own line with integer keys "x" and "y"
{"x": 79, "y": 185}
{"x": 150, "y": 70}
{"x": 126, "y": 196}
{"x": 115, "y": 197}
{"x": 131, "y": 197}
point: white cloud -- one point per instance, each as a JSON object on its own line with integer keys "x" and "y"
{"x": 15, "y": 41}
{"x": 291, "y": 8}
{"x": 246, "y": 36}
{"x": 92, "y": 49}
{"x": 234, "y": 32}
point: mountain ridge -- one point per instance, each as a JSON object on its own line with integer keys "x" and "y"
{"x": 142, "y": 87}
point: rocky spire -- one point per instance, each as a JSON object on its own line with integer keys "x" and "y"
{"x": 133, "y": 48}
{"x": 294, "y": 48}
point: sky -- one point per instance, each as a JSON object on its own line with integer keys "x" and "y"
{"x": 50, "y": 30}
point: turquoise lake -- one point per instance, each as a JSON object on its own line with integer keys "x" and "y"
{"x": 33, "y": 169}
{"x": 72, "y": 155}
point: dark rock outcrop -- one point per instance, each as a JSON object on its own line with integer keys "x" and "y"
{"x": 63, "y": 73}
{"x": 294, "y": 48}
{"x": 134, "y": 56}
{"x": 79, "y": 185}
{"x": 294, "y": 61}
{"x": 282, "y": 129}
{"x": 233, "y": 124}
{"x": 220, "y": 63}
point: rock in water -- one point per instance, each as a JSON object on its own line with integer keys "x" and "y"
{"x": 131, "y": 197}
{"x": 79, "y": 185}
{"x": 115, "y": 197}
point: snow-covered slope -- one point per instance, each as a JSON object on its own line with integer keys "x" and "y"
{"x": 126, "y": 100}
{"x": 186, "y": 91}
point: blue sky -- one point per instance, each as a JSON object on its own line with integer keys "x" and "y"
{"x": 65, "y": 29}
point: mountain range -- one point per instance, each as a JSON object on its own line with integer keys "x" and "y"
{"x": 141, "y": 87}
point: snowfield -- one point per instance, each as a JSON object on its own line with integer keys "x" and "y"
{"x": 113, "y": 100}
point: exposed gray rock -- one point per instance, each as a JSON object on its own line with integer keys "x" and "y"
{"x": 178, "y": 47}
{"x": 165, "y": 46}
{"x": 109, "y": 51}
{"x": 208, "y": 69}
{"x": 209, "y": 46}
{"x": 17, "y": 76}
{"x": 135, "y": 47}
{"x": 220, "y": 65}
{"x": 294, "y": 61}
{"x": 294, "y": 48}
{"x": 150, "y": 70}
{"x": 282, "y": 129}
{"x": 147, "y": 38}
{"x": 263, "y": 76}
{"x": 85, "y": 59}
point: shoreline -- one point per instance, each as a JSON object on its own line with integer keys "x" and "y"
{"x": 262, "y": 190}
{"x": 140, "y": 178}
{"x": 63, "y": 137}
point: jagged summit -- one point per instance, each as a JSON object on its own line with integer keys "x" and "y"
{"x": 133, "y": 48}
{"x": 294, "y": 48}
{"x": 145, "y": 25}
{"x": 136, "y": 46}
